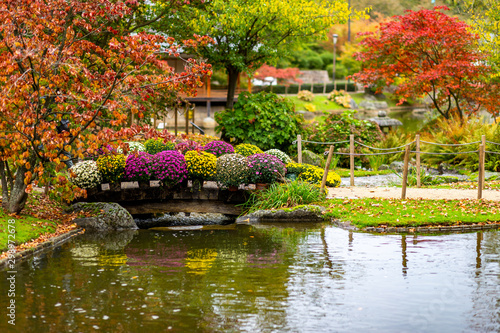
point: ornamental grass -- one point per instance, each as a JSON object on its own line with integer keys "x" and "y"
{"x": 169, "y": 167}
{"x": 111, "y": 167}
{"x": 201, "y": 165}
{"x": 219, "y": 148}
{"x": 232, "y": 170}
{"x": 265, "y": 168}
{"x": 137, "y": 167}
{"x": 85, "y": 174}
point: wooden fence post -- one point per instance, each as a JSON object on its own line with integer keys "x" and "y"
{"x": 417, "y": 149}
{"x": 405, "y": 172}
{"x": 483, "y": 142}
{"x": 351, "y": 157}
{"x": 480, "y": 176}
{"x": 186, "y": 113}
{"x": 299, "y": 148}
{"x": 176, "y": 121}
{"x": 327, "y": 168}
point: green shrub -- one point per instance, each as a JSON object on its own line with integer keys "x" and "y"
{"x": 154, "y": 146}
{"x": 264, "y": 119}
{"x": 338, "y": 128}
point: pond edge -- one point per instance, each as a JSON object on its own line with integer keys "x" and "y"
{"x": 40, "y": 248}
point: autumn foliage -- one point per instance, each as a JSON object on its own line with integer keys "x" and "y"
{"x": 427, "y": 53}
{"x": 52, "y": 71}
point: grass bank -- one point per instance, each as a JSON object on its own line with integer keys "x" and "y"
{"x": 370, "y": 212}
{"x": 40, "y": 219}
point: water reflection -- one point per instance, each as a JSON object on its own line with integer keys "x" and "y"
{"x": 261, "y": 279}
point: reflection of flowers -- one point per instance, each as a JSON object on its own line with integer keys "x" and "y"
{"x": 86, "y": 174}
{"x": 219, "y": 148}
{"x": 232, "y": 170}
{"x": 265, "y": 168}
{"x": 168, "y": 166}
{"x": 200, "y": 165}
{"x": 199, "y": 261}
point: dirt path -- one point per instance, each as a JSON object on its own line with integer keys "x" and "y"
{"x": 357, "y": 192}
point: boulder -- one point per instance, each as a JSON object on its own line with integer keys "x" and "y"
{"x": 106, "y": 216}
{"x": 311, "y": 158}
{"x": 296, "y": 214}
{"x": 396, "y": 166}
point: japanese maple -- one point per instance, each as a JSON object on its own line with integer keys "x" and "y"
{"x": 53, "y": 74}
{"x": 428, "y": 53}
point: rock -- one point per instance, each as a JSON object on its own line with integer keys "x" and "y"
{"x": 107, "y": 216}
{"x": 396, "y": 166}
{"x": 112, "y": 240}
{"x": 383, "y": 167}
{"x": 380, "y": 105}
{"x": 311, "y": 158}
{"x": 367, "y": 105}
{"x": 353, "y": 104}
{"x": 297, "y": 214}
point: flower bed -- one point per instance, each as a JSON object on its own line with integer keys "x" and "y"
{"x": 170, "y": 167}
{"x": 219, "y": 148}
{"x": 232, "y": 170}
{"x": 201, "y": 165}
{"x": 137, "y": 167}
{"x": 86, "y": 174}
{"x": 265, "y": 168}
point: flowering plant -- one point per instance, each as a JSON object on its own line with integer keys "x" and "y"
{"x": 313, "y": 174}
{"x": 279, "y": 154}
{"x": 133, "y": 146}
{"x": 111, "y": 167}
{"x": 200, "y": 165}
{"x": 187, "y": 145}
{"x": 153, "y": 146}
{"x": 247, "y": 149}
{"x": 168, "y": 166}
{"x": 341, "y": 98}
{"x": 103, "y": 150}
{"x": 305, "y": 95}
{"x": 333, "y": 179}
{"x": 137, "y": 167}
{"x": 232, "y": 170}
{"x": 85, "y": 174}
{"x": 219, "y": 148}
{"x": 265, "y": 168}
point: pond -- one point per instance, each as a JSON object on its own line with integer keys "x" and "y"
{"x": 260, "y": 279}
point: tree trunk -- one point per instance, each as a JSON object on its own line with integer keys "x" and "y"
{"x": 14, "y": 201}
{"x": 231, "y": 86}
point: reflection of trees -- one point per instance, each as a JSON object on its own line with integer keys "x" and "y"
{"x": 485, "y": 316}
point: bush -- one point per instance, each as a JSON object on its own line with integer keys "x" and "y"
{"x": 137, "y": 167}
{"x": 85, "y": 174}
{"x": 338, "y": 128}
{"x": 200, "y": 165}
{"x": 265, "y": 168}
{"x": 247, "y": 149}
{"x": 154, "y": 146}
{"x": 219, "y": 148}
{"x": 305, "y": 95}
{"x": 232, "y": 170}
{"x": 188, "y": 145}
{"x": 279, "y": 154}
{"x": 341, "y": 98}
{"x": 264, "y": 119}
{"x": 111, "y": 167}
{"x": 168, "y": 166}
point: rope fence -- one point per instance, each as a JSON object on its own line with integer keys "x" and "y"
{"x": 407, "y": 151}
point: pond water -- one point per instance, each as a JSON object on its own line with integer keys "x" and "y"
{"x": 260, "y": 279}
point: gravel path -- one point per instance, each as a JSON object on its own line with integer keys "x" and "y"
{"x": 357, "y": 192}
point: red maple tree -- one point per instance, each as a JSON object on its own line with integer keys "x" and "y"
{"x": 53, "y": 73}
{"x": 283, "y": 75}
{"x": 428, "y": 53}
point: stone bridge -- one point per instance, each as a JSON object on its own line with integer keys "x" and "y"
{"x": 141, "y": 199}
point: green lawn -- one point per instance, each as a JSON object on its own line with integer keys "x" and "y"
{"x": 411, "y": 212}
{"x": 25, "y": 228}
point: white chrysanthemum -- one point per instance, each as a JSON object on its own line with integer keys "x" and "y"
{"x": 232, "y": 170}
{"x": 86, "y": 174}
{"x": 133, "y": 146}
{"x": 279, "y": 154}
